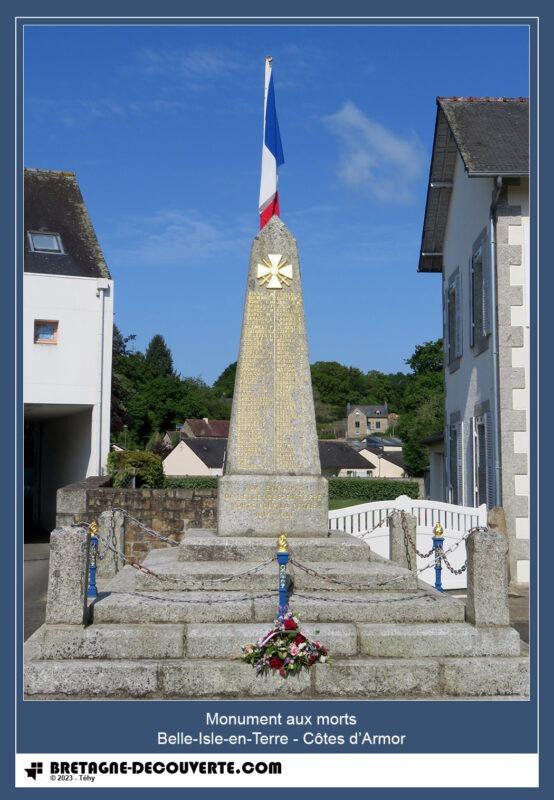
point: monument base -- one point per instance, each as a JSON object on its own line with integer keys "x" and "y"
{"x": 267, "y": 505}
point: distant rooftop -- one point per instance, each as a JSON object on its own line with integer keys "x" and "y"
{"x": 217, "y": 428}
{"x": 332, "y": 454}
{"x": 491, "y": 134}
{"x": 369, "y": 411}
{"x": 54, "y": 205}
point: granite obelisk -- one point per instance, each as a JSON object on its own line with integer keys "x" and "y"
{"x": 272, "y": 479}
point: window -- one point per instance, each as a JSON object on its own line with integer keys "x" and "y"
{"x": 484, "y": 460}
{"x": 453, "y": 322}
{"x": 46, "y": 331}
{"x": 454, "y": 446}
{"x": 45, "y": 242}
{"x": 480, "y": 306}
{"x": 357, "y": 423}
{"x": 378, "y": 423}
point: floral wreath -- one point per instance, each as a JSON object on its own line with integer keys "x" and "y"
{"x": 285, "y": 649}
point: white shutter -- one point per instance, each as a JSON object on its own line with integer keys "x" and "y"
{"x": 489, "y": 444}
{"x": 468, "y": 429}
{"x": 487, "y": 293}
{"x": 460, "y": 461}
{"x": 458, "y": 297}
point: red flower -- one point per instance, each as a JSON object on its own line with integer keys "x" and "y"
{"x": 290, "y": 625}
{"x": 298, "y": 639}
{"x": 312, "y": 658}
{"x": 276, "y": 663}
{"x": 282, "y": 672}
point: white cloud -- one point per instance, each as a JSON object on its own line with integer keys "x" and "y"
{"x": 170, "y": 238}
{"x": 373, "y": 158}
{"x": 196, "y": 66}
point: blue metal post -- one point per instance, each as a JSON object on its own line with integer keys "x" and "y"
{"x": 92, "y": 591}
{"x": 283, "y": 560}
{"x": 438, "y": 539}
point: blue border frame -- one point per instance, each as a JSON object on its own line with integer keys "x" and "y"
{"x": 483, "y": 726}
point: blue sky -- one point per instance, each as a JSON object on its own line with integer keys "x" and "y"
{"x": 163, "y": 127}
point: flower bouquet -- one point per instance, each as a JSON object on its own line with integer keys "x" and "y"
{"x": 285, "y": 649}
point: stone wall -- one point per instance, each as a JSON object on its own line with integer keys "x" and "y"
{"x": 168, "y": 511}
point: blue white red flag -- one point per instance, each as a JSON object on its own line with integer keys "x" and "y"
{"x": 272, "y": 152}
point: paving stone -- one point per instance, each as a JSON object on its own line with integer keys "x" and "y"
{"x": 220, "y": 641}
{"x": 173, "y": 607}
{"x": 199, "y": 545}
{"x": 377, "y": 677}
{"x": 486, "y": 676}
{"x": 208, "y": 678}
{"x": 424, "y": 640}
{"x": 91, "y": 678}
{"x": 127, "y": 641}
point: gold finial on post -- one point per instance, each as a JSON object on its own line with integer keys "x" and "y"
{"x": 438, "y": 531}
{"x": 282, "y": 543}
{"x": 93, "y": 528}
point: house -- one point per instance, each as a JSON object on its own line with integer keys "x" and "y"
{"x": 389, "y": 444}
{"x": 202, "y": 456}
{"x": 390, "y": 464}
{"x": 476, "y": 235}
{"x": 340, "y": 460}
{"x": 205, "y": 456}
{"x": 361, "y": 420}
{"x": 67, "y": 344}
{"x": 213, "y": 428}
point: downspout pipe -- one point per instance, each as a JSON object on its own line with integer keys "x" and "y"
{"x": 101, "y": 292}
{"x": 494, "y": 325}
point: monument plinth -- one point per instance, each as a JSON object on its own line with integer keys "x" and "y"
{"x": 272, "y": 476}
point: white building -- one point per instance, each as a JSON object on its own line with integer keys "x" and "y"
{"x": 67, "y": 344}
{"x": 206, "y": 456}
{"x": 476, "y": 233}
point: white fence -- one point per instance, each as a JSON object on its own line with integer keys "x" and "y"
{"x": 369, "y": 521}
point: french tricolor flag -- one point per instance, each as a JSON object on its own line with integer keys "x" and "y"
{"x": 272, "y": 152}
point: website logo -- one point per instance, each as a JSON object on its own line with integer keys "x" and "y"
{"x": 34, "y": 770}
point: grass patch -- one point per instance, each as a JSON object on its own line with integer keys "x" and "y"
{"x": 343, "y": 502}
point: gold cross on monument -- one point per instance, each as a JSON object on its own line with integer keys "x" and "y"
{"x": 275, "y": 271}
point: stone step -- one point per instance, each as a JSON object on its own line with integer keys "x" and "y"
{"x": 129, "y": 641}
{"x": 423, "y": 606}
{"x": 205, "y": 545}
{"x": 182, "y": 575}
{"x": 435, "y": 640}
{"x": 227, "y": 640}
{"x": 358, "y": 677}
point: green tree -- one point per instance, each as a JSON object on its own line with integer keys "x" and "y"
{"x": 224, "y": 386}
{"x": 338, "y": 385}
{"x": 158, "y": 357}
{"x": 423, "y": 404}
{"x": 427, "y": 357}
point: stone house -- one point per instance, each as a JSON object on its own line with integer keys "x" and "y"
{"x": 476, "y": 236}
{"x": 363, "y": 420}
{"x": 67, "y": 345}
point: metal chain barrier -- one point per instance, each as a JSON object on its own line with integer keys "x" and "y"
{"x": 145, "y": 528}
{"x": 133, "y": 562}
{"x": 397, "y": 578}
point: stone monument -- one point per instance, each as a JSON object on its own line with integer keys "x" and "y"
{"x": 272, "y": 475}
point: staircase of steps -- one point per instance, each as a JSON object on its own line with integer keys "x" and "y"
{"x": 181, "y": 634}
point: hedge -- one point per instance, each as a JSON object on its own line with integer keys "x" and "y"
{"x": 190, "y": 482}
{"x": 369, "y": 490}
{"x": 144, "y": 465}
{"x": 366, "y": 490}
